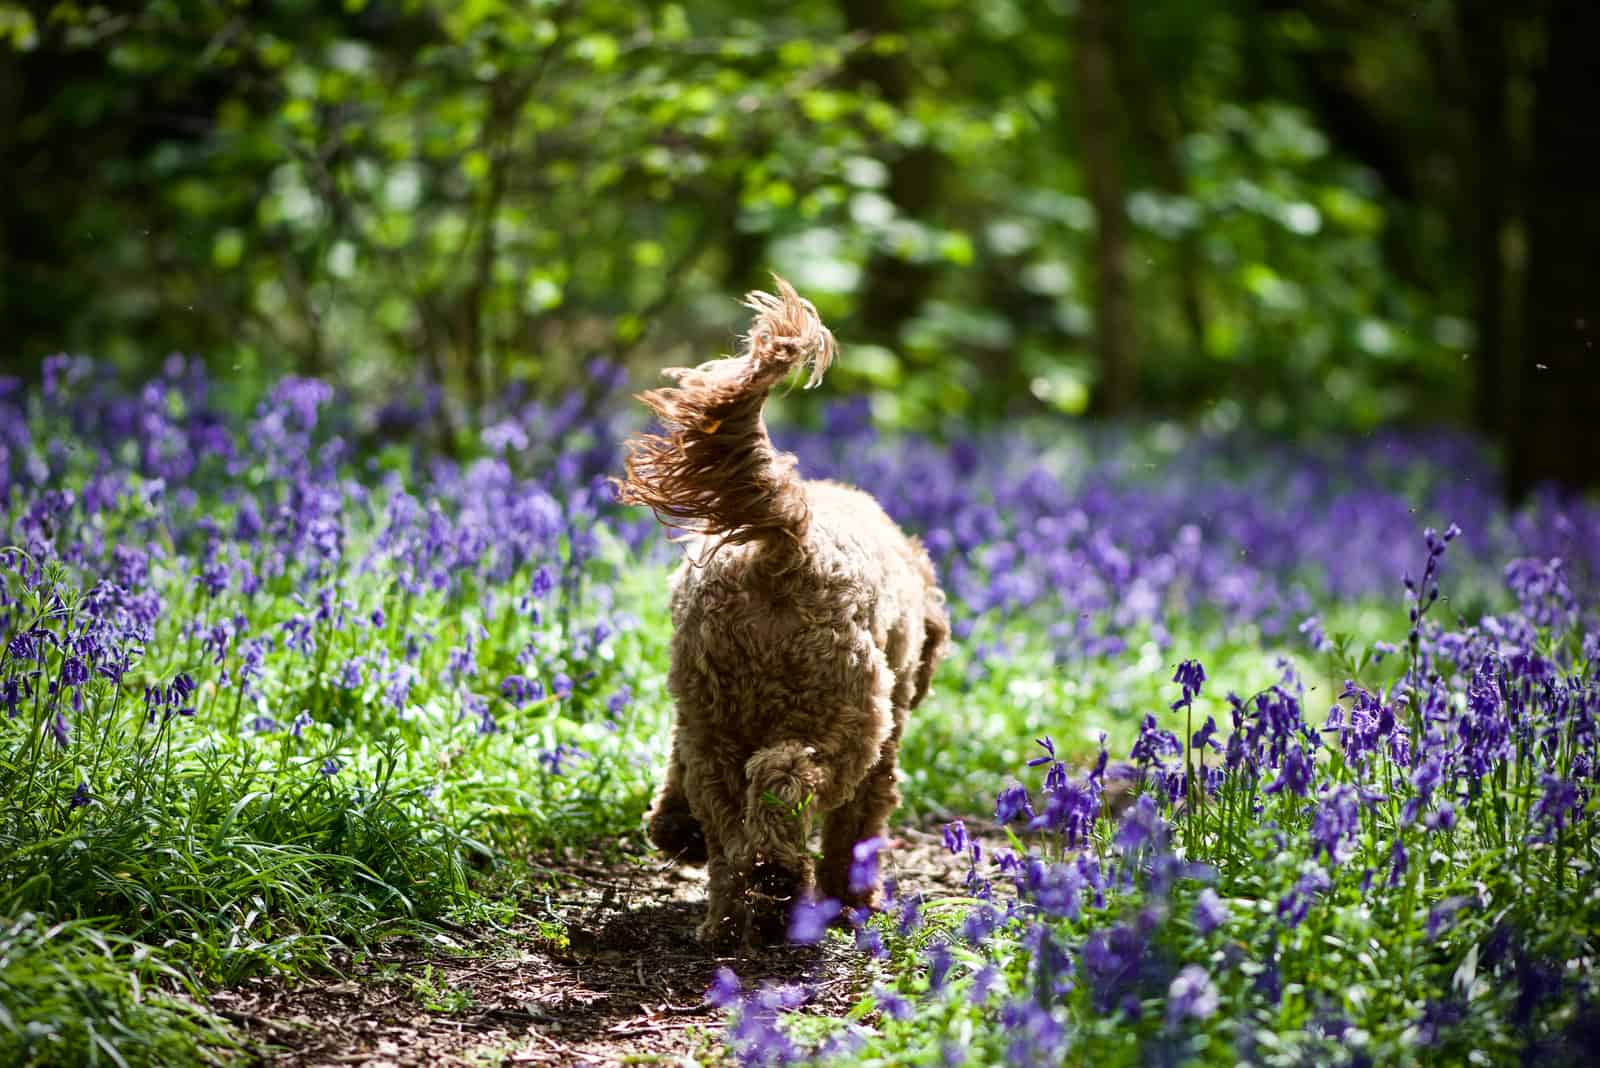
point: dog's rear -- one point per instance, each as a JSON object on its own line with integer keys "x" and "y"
{"x": 806, "y": 624}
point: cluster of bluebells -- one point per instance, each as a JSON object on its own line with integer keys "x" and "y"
{"x": 1106, "y": 541}
{"x": 167, "y": 562}
{"x": 1136, "y": 916}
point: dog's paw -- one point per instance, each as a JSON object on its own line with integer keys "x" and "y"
{"x": 676, "y": 833}
{"x": 720, "y": 933}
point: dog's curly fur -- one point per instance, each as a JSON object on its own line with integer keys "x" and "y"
{"x": 806, "y": 625}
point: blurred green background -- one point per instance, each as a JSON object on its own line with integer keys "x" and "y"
{"x": 1236, "y": 213}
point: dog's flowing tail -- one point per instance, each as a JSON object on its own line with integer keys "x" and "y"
{"x": 713, "y": 471}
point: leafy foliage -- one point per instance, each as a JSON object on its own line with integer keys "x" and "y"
{"x": 478, "y": 195}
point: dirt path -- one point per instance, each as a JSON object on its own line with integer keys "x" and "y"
{"x": 625, "y": 985}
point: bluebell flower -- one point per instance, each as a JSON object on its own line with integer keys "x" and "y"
{"x": 1556, "y": 805}
{"x": 1111, "y": 960}
{"x": 985, "y": 981}
{"x": 81, "y": 796}
{"x": 979, "y": 924}
{"x": 1192, "y": 995}
{"x": 808, "y": 922}
{"x": 1294, "y": 774}
{"x": 724, "y": 989}
{"x": 1296, "y": 905}
{"x": 1012, "y": 802}
{"x": 331, "y": 767}
{"x": 544, "y": 580}
{"x": 1442, "y": 916}
{"x": 891, "y": 1004}
{"x": 864, "y": 864}
{"x": 955, "y": 837}
{"x": 910, "y": 916}
{"x": 870, "y": 942}
{"x": 619, "y": 700}
{"x": 555, "y": 761}
{"x": 74, "y": 672}
{"x": 1399, "y": 862}
{"x": 939, "y": 962}
{"x": 1333, "y": 829}
{"x": 1190, "y": 676}
{"x": 301, "y": 722}
{"x": 1210, "y": 911}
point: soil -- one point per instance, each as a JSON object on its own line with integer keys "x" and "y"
{"x": 604, "y": 970}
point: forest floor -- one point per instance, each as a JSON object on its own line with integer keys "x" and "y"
{"x": 605, "y": 970}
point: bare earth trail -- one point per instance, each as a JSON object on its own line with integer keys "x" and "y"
{"x": 627, "y": 987}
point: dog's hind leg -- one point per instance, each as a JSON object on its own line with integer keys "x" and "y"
{"x": 673, "y": 828}
{"x": 864, "y": 816}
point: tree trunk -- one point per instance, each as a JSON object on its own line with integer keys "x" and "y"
{"x": 1159, "y": 128}
{"x": 894, "y": 288}
{"x": 1552, "y": 433}
{"x": 1115, "y": 341}
{"x": 1487, "y": 162}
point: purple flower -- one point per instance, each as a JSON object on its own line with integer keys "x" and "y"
{"x": 724, "y": 989}
{"x": 1192, "y": 994}
{"x": 1555, "y": 806}
{"x": 619, "y": 700}
{"x": 1141, "y": 825}
{"x": 301, "y": 722}
{"x": 1210, "y": 912}
{"x": 331, "y": 767}
{"x": 939, "y": 963}
{"x": 1049, "y": 748}
{"x": 864, "y": 864}
{"x": 1294, "y": 774}
{"x": 1154, "y": 743}
{"x": 1316, "y": 637}
{"x": 809, "y": 921}
{"x": 1296, "y": 905}
{"x": 1334, "y": 827}
{"x": 1442, "y": 916}
{"x": 1111, "y": 960}
{"x": 544, "y": 580}
{"x": 891, "y": 1004}
{"x": 1011, "y": 803}
{"x": 1189, "y": 677}
{"x": 870, "y": 942}
{"x": 1399, "y": 861}
{"x": 80, "y": 796}
{"x": 955, "y": 837}
{"x": 555, "y": 761}
{"x": 74, "y": 672}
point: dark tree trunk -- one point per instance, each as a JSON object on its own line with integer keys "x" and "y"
{"x": 1552, "y": 433}
{"x": 1158, "y": 126}
{"x": 894, "y": 289}
{"x": 1115, "y": 342}
{"x": 1487, "y": 162}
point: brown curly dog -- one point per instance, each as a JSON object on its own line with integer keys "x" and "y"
{"x": 806, "y": 625}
